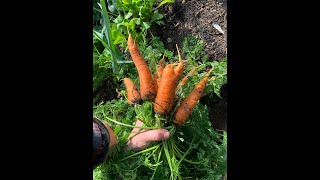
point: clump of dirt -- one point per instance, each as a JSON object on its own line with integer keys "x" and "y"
{"x": 196, "y": 17}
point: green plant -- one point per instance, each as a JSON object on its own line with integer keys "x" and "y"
{"x": 220, "y": 72}
{"x": 193, "y": 49}
{"x": 97, "y": 16}
{"x": 195, "y": 55}
{"x": 108, "y": 40}
{"x": 152, "y": 52}
{"x": 111, "y": 32}
{"x": 136, "y": 16}
{"x": 194, "y": 150}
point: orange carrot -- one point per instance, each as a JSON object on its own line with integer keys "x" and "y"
{"x": 132, "y": 90}
{"x": 179, "y": 69}
{"x": 186, "y": 107}
{"x": 166, "y": 92}
{"x": 156, "y": 82}
{"x": 147, "y": 88}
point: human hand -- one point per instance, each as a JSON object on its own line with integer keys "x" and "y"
{"x": 145, "y": 136}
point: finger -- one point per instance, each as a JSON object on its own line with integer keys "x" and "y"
{"x": 135, "y": 130}
{"x": 154, "y": 135}
{"x": 139, "y": 123}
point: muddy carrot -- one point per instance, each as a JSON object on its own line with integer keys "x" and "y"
{"x": 132, "y": 90}
{"x": 166, "y": 92}
{"x": 147, "y": 89}
{"x": 186, "y": 107}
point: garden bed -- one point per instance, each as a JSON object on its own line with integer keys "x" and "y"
{"x": 194, "y": 17}
{"x": 196, "y": 148}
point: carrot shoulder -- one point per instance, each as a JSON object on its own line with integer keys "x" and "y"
{"x": 147, "y": 89}
{"x": 132, "y": 90}
{"x": 186, "y": 107}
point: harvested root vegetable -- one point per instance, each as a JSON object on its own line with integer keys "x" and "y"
{"x": 147, "y": 88}
{"x": 166, "y": 92}
{"x": 186, "y": 107}
{"x": 164, "y": 101}
{"x": 132, "y": 90}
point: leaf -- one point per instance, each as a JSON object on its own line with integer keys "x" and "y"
{"x": 119, "y": 19}
{"x": 126, "y": 2}
{"x": 136, "y": 1}
{"x": 122, "y": 24}
{"x": 160, "y": 22}
{"x": 127, "y": 16}
{"x": 164, "y": 2}
{"x": 111, "y": 8}
{"x": 99, "y": 35}
{"x": 119, "y": 37}
{"x": 156, "y": 16}
{"x": 137, "y": 21}
{"x": 131, "y": 25}
{"x": 145, "y": 25}
{"x": 99, "y": 5}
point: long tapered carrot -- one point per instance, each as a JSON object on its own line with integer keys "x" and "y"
{"x": 186, "y": 107}
{"x": 166, "y": 92}
{"x": 132, "y": 90}
{"x": 147, "y": 89}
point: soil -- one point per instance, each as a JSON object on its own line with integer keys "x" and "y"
{"x": 217, "y": 108}
{"x": 107, "y": 91}
{"x": 195, "y": 17}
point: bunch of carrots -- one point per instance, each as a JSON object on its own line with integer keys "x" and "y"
{"x": 160, "y": 87}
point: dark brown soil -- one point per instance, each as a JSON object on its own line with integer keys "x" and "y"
{"x": 217, "y": 108}
{"x": 107, "y": 91}
{"x": 196, "y": 17}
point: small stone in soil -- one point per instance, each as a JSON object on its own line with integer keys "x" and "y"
{"x": 169, "y": 40}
